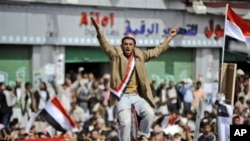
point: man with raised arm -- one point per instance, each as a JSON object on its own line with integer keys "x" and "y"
{"x": 129, "y": 84}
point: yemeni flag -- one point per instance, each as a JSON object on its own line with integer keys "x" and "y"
{"x": 55, "y": 114}
{"x": 237, "y": 33}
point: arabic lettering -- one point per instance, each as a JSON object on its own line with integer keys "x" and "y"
{"x": 192, "y": 31}
{"x": 153, "y": 28}
{"x": 142, "y": 30}
{"x": 211, "y": 31}
{"x": 219, "y": 32}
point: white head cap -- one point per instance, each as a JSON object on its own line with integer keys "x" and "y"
{"x": 240, "y": 72}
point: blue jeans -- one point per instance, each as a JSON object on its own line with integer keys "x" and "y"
{"x": 5, "y": 119}
{"x": 143, "y": 110}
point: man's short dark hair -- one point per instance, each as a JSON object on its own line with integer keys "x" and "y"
{"x": 1, "y": 84}
{"x": 182, "y": 82}
{"x": 27, "y": 84}
{"x": 198, "y": 83}
{"x": 127, "y": 37}
{"x": 241, "y": 98}
{"x": 206, "y": 124}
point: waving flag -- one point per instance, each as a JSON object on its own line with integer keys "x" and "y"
{"x": 57, "y": 116}
{"x": 237, "y": 33}
{"x": 236, "y": 27}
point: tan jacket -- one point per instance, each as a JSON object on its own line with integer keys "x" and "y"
{"x": 119, "y": 65}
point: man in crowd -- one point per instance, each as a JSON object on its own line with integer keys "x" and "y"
{"x": 128, "y": 77}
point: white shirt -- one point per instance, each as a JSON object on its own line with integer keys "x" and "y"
{"x": 110, "y": 113}
{"x": 18, "y": 94}
{"x": 10, "y": 98}
{"x": 78, "y": 114}
{"x": 163, "y": 109}
{"x": 42, "y": 102}
{"x": 171, "y": 94}
{"x": 163, "y": 95}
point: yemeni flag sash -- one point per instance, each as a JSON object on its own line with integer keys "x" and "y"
{"x": 117, "y": 91}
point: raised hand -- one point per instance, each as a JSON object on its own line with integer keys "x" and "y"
{"x": 174, "y": 31}
{"x": 97, "y": 28}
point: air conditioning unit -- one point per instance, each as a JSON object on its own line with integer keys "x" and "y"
{"x": 199, "y": 7}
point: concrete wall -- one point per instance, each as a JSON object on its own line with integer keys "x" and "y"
{"x": 207, "y": 64}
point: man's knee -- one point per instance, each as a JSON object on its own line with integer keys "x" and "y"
{"x": 124, "y": 118}
{"x": 125, "y": 123}
{"x": 150, "y": 114}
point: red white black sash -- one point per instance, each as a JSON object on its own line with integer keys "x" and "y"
{"x": 120, "y": 88}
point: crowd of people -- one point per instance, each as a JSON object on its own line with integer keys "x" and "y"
{"x": 83, "y": 96}
{"x": 86, "y": 99}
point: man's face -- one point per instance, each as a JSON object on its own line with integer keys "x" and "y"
{"x": 103, "y": 137}
{"x": 181, "y": 85}
{"x": 3, "y": 87}
{"x": 159, "y": 136}
{"x": 128, "y": 46}
{"x": 207, "y": 128}
{"x": 18, "y": 83}
{"x": 73, "y": 105}
{"x": 42, "y": 86}
{"x": 172, "y": 84}
{"x": 189, "y": 116}
{"x": 95, "y": 135}
{"x": 206, "y": 114}
{"x": 198, "y": 86}
{"x": 91, "y": 76}
{"x": 237, "y": 121}
{"x": 241, "y": 100}
{"x": 153, "y": 84}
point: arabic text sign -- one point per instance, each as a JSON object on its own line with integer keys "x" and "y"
{"x": 154, "y": 28}
{"x": 118, "y": 26}
{"x": 213, "y": 30}
{"x": 75, "y": 26}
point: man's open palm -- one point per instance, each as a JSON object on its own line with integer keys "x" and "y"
{"x": 95, "y": 24}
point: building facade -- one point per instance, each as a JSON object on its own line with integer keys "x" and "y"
{"x": 38, "y": 40}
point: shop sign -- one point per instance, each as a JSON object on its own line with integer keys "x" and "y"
{"x": 154, "y": 29}
{"x": 213, "y": 30}
{"x": 146, "y": 28}
{"x": 105, "y": 21}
